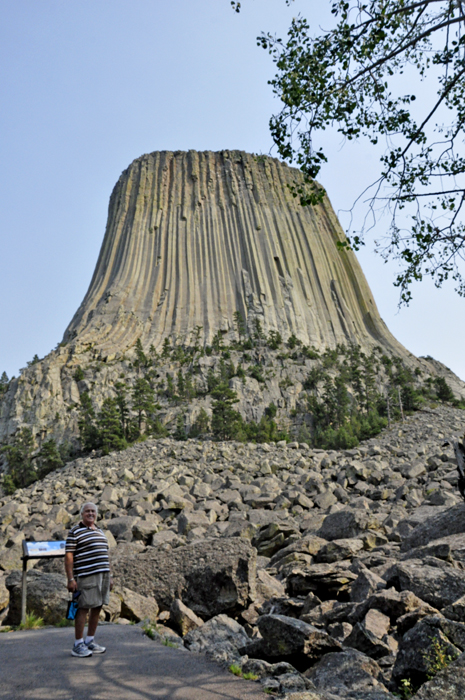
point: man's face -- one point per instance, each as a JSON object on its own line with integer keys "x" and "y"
{"x": 89, "y": 516}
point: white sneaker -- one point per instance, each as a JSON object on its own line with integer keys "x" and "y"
{"x": 81, "y": 650}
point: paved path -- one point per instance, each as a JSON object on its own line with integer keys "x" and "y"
{"x": 37, "y": 665}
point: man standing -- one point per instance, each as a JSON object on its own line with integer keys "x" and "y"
{"x": 88, "y": 570}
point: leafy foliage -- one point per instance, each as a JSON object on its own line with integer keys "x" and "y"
{"x": 348, "y": 76}
{"x": 78, "y": 374}
{"x": 25, "y": 467}
{"x": 33, "y": 622}
{"x": 49, "y": 458}
{"x": 438, "y": 657}
{"x": 21, "y": 471}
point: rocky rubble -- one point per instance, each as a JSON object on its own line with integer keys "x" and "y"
{"x": 325, "y": 575}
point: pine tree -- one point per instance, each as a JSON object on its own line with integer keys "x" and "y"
{"x": 181, "y": 385}
{"x": 143, "y": 402}
{"x": 49, "y": 458}
{"x": 110, "y": 428}
{"x": 274, "y": 340}
{"x": 21, "y": 471}
{"x": 166, "y": 350}
{"x": 217, "y": 342}
{"x": 121, "y": 402}
{"x": 226, "y": 422}
{"x": 241, "y": 328}
{"x": 190, "y": 389}
{"x": 180, "y": 431}
{"x": 141, "y": 358}
{"x": 88, "y": 432}
{"x": 201, "y": 425}
{"x": 170, "y": 388}
{"x": 4, "y": 381}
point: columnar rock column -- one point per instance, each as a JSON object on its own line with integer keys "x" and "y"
{"x": 194, "y": 237}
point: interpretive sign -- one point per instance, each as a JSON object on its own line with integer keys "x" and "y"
{"x": 37, "y": 550}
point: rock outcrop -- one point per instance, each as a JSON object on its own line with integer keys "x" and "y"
{"x": 192, "y": 240}
{"x": 194, "y": 237}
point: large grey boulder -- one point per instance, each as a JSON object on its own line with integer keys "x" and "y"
{"x": 136, "y": 607}
{"x": 211, "y": 577}
{"x": 448, "y": 548}
{"x": 339, "y": 549}
{"x": 121, "y": 528}
{"x": 271, "y": 538}
{"x": 147, "y": 527}
{"x": 11, "y": 558}
{"x": 182, "y": 618}
{"x": 392, "y": 603}
{"x": 217, "y": 630}
{"x": 437, "y": 586}
{"x": 47, "y": 596}
{"x": 327, "y": 581}
{"x": 366, "y": 584}
{"x": 450, "y": 521}
{"x": 371, "y": 635}
{"x": 287, "y": 639}
{"x": 188, "y": 520}
{"x": 347, "y": 523}
{"x": 455, "y": 611}
{"x": 348, "y": 674}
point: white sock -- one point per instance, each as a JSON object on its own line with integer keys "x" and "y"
{"x": 89, "y": 640}
{"x": 78, "y": 641}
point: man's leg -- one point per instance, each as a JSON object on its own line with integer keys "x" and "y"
{"x": 80, "y": 622}
{"x": 91, "y": 630}
{"x": 93, "y": 621}
{"x": 80, "y": 648}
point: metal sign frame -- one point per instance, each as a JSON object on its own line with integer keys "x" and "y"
{"x": 48, "y": 549}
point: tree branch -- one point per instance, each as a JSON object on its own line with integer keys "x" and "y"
{"x": 398, "y": 51}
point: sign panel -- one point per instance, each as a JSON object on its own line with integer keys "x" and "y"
{"x": 51, "y": 548}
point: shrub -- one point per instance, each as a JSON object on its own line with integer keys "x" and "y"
{"x": 33, "y": 622}
{"x": 78, "y": 374}
{"x": 443, "y": 390}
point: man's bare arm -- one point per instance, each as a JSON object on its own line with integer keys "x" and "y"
{"x": 69, "y": 560}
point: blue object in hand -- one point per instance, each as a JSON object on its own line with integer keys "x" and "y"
{"x": 73, "y": 606}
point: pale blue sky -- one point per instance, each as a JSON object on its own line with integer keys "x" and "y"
{"x": 88, "y": 86}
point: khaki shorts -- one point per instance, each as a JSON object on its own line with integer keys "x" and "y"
{"x": 95, "y": 590}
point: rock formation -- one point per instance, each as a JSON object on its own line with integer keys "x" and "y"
{"x": 194, "y": 237}
{"x": 192, "y": 241}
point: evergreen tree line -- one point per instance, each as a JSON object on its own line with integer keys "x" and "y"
{"x": 25, "y": 467}
{"x": 341, "y": 405}
{"x": 129, "y": 416}
{"x": 346, "y": 405}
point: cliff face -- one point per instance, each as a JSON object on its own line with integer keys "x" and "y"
{"x": 194, "y": 237}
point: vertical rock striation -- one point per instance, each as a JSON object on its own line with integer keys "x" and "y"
{"x": 191, "y": 239}
{"x": 194, "y": 237}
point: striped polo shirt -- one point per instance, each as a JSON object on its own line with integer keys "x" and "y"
{"x": 90, "y": 550}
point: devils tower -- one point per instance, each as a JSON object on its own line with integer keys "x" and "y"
{"x": 199, "y": 248}
{"x": 194, "y": 237}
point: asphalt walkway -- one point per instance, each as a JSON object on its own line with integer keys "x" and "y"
{"x": 37, "y": 665}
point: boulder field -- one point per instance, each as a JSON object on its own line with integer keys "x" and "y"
{"x": 324, "y": 575}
